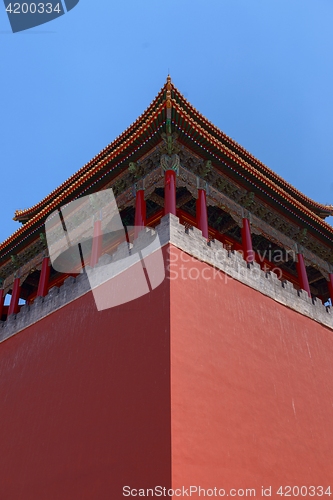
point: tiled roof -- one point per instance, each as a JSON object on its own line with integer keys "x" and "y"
{"x": 140, "y": 135}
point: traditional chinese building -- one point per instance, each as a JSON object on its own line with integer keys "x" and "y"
{"x": 219, "y": 377}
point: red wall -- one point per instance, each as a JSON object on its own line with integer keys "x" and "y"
{"x": 87, "y": 406}
{"x": 251, "y": 387}
{"x": 85, "y": 402}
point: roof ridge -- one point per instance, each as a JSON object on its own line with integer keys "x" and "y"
{"x": 328, "y": 208}
{"x": 104, "y": 151}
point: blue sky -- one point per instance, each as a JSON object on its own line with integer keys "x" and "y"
{"x": 260, "y": 70}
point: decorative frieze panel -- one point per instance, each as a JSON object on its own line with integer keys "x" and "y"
{"x": 33, "y": 264}
{"x": 260, "y": 226}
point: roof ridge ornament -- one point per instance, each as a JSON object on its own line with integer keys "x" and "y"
{"x": 168, "y": 98}
{"x": 167, "y": 136}
{"x": 170, "y": 145}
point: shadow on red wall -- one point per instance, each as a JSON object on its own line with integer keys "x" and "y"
{"x": 85, "y": 402}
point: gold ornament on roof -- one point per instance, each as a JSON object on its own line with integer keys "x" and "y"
{"x": 168, "y": 93}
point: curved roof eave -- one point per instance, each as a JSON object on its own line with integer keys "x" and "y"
{"x": 210, "y": 134}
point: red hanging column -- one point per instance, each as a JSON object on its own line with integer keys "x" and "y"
{"x": 202, "y": 217}
{"x": 330, "y": 286}
{"x": 247, "y": 241}
{"x": 13, "y": 306}
{"x": 96, "y": 251}
{"x": 43, "y": 285}
{"x": 170, "y": 192}
{"x": 302, "y": 276}
{"x": 140, "y": 212}
{"x": 2, "y": 300}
